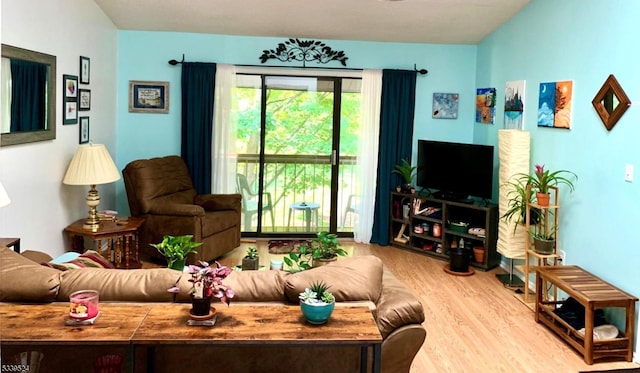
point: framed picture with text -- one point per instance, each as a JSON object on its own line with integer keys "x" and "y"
{"x": 84, "y": 130}
{"x": 84, "y": 99}
{"x": 85, "y": 69}
{"x": 148, "y": 97}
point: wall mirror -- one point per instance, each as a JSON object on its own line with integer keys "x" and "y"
{"x": 610, "y": 102}
{"x": 28, "y": 98}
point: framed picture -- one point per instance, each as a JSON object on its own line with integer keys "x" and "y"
{"x": 84, "y": 130}
{"x": 85, "y": 69}
{"x": 445, "y": 105}
{"x": 70, "y": 99}
{"x": 148, "y": 97}
{"x": 70, "y": 112}
{"x": 84, "y": 100}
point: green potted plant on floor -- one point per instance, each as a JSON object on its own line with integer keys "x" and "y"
{"x": 325, "y": 248}
{"x": 298, "y": 261}
{"x": 251, "y": 259}
{"x": 406, "y": 172}
{"x": 176, "y": 248}
{"x": 317, "y": 303}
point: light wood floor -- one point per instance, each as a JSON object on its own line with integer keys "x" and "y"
{"x": 474, "y": 324}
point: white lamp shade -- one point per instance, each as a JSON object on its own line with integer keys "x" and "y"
{"x": 4, "y": 197}
{"x": 91, "y": 165}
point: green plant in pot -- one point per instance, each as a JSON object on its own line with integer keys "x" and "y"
{"x": 250, "y": 260}
{"x": 542, "y": 180}
{"x": 298, "y": 261}
{"x": 317, "y": 303}
{"x": 544, "y": 242}
{"x": 517, "y": 197}
{"x": 325, "y": 248}
{"x": 406, "y": 172}
{"x": 176, "y": 248}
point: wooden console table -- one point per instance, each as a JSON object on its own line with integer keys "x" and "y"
{"x": 259, "y": 325}
{"x": 131, "y": 330}
{"x": 121, "y": 240}
{"x": 593, "y": 293}
{"x": 26, "y": 327}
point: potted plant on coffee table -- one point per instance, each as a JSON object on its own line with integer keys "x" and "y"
{"x": 176, "y": 248}
{"x": 207, "y": 284}
{"x": 250, "y": 260}
{"x": 317, "y": 303}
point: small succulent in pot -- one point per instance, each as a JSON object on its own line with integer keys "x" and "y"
{"x": 317, "y": 292}
{"x": 317, "y": 303}
{"x": 250, "y": 260}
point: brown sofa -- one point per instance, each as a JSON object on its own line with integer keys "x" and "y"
{"x": 398, "y": 314}
{"x": 161, "y": 191}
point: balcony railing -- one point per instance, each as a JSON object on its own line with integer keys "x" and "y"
{"x": 293, "y": 179}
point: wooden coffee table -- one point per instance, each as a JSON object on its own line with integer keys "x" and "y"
{"x": 252, "y": 325}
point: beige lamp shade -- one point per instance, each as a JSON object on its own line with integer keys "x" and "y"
{"x": 91, "y": 165}
{"x": 4, "y": 197}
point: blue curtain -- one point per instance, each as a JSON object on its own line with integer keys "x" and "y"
{"x": 28, "y": 95}
{"x": 396, "y": 139}
{"x": 198, "y": 87}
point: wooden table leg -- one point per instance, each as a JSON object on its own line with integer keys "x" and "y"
{"x": 588, "y": 334}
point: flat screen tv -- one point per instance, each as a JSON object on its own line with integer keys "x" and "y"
{"x": 457, "y": 171}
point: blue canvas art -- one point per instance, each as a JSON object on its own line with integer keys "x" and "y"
{"x": 546, "y": 104}
{"x": 445, "y": 105}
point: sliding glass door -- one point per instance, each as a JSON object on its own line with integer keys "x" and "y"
{"x": 296, "y": 153}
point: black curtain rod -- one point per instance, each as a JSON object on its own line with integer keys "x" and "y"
{"x": 419, "y": 71}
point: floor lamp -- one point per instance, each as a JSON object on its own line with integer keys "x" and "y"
{"x": 91, "y": 165}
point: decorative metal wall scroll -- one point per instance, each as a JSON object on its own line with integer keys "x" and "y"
{"x": 305, "y": 51}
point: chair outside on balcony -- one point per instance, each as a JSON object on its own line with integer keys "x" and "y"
{"x": 250, "y": 202}
{"x": 353, "y": 206}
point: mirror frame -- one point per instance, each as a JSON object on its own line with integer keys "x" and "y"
{"x": 15, "y": 138}
{"x": 611, "y": 86}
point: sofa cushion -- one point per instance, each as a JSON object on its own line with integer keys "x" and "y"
{"x": 350, "y": 279}
{"x": 257, "y": 286}
{"x": 134, "y": 285}
{"x": 88, "y": 259}
{"x": 23, "y": 280}
{"x": 218, "y": 221}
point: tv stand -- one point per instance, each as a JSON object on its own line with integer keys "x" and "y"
{"x": 426, "y": 229}
{"x": 455, "y": 197}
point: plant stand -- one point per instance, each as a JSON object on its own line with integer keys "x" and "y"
{"x": 534, "y": 259}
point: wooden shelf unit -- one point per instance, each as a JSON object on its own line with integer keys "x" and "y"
{"x": 403, "y": 234}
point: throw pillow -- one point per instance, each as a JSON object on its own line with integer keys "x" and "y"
{"x": 88, "y": 259}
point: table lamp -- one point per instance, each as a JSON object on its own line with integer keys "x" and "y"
{"x": 91, "y": 165}
{"x": 4, "y": 197}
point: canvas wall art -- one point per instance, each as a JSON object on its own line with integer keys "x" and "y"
{"x": 445, "y": 105}
{"x": 554, "y": 104}
{"x": 514, "y": 104}
{"x": 485, "y": 105}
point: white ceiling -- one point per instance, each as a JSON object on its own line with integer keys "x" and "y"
{"x": 415, "y": 21}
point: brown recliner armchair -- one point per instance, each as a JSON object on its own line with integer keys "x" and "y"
{"x": 161, "y": 191}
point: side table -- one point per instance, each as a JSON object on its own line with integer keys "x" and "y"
{"x": 308, "y": 208}
{"x": 121, "y": 239}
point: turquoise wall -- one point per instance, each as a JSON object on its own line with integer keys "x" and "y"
{"x": 583, "y": 41}
{"x": 145, "y": 56}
